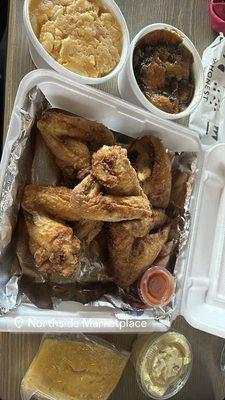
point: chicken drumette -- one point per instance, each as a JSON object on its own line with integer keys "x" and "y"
{"x": 56, "y": 250}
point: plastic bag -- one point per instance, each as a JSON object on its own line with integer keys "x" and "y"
{"x": 208, "y": 118}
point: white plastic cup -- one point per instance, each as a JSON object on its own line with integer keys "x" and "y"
{"x": 42, "y": 59}
{"x": 128, "y": 86}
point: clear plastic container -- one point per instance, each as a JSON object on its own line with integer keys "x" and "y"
{"x": 74, "y": 367}
{"x": 156, "y": 287}
{"x": 163, "y": 363}
{"x": 42, "y": 59}
{"x": 128, "y": 86}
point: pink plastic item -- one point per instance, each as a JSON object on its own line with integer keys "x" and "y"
{"x": 217, "y": 14}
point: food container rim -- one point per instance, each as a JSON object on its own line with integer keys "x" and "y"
{"x": 33, "y": 78}
{"x": 153, "y": 342}
{"x": 133, "y": 82}
{"x": 42, "y": 53}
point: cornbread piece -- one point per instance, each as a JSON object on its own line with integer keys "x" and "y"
{"x": 81, "y": 369}
{"x": 82, "y": 35}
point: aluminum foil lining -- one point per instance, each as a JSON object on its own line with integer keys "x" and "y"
{"x": 92, "y": 287}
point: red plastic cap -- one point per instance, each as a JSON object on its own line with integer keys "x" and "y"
{"x": 217, "y": 14}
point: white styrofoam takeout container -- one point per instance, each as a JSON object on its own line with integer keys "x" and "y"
{"x": 201, "y": 264}
{"x": 42, "y": 59}
{"x": 129, "y": 88}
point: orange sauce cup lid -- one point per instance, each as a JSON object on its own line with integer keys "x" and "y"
{"x": 156, "y": 287}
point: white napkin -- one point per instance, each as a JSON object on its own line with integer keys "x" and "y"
{"x": 208, "y": 119}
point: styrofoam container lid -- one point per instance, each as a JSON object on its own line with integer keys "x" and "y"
{"x": 129, "y": 88}
{"x": 42, "y": 59}
{"x": 203, "y": 302}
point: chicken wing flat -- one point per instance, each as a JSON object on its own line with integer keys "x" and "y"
{"x": 131, "y": 254}
{"x": 53, "y": 200}
{"x": 113, "y": 170}
{"x": 69, "y": 138}
{"x": 72, "y": 156}
{"x": 54, "y": 247}
{"x": 91, "y": 203}
{"x": 61, "y": 123}
{"x": 141, "y": 227}
{"x": 153, "y": 167}
{"x": 86, "y": 231}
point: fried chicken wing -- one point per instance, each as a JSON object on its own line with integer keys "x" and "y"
{"x": 132, "y": 254}
{"x": 91, "y": 203}
{"x": 86, "y": 231}
{"x": 113, "y": 170}
{"x": 112, "y": 192}
{"x": 153, "y": 168}
{"x": 54, "y": 247}
{"x": 141, "y": 227}
{"x": 69, "y": 138}
{"x": 72, "y": 156}
{"x": 53, "y": 200}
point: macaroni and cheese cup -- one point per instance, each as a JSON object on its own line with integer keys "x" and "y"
{"x": 42, "y": 59}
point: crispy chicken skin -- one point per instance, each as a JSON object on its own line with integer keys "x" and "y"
{"x": 153, "y": 168}
{"x": 53, "y": 200}
{"x": 141, "y": 227}
{"x": 113, "y": 170}
{"x": 118, "y": 211}
{"x": 54, "y": 247}
{"x": 71, "y": 138}
{"x": 91, "y": 203}
{"x": 133, "y": 250}
{"x": 87, "y": 231}
{"x": 59, "y": 123}
{"x": 109, "y": 194}
{"x": 72, "y": 156}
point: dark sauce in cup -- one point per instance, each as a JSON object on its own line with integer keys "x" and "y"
{"x": 163, "y": 70}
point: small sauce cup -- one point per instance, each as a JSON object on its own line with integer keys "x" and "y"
{"x": 156, "y": 287}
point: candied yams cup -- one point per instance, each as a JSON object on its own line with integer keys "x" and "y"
{"x": 130, "y": 90}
